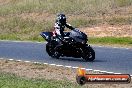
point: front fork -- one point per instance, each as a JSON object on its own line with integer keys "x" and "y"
{"x": 83, "y": 50}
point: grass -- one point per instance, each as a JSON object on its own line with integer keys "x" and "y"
{"x": 39, "y": 66}
{"x": 12, "y": 81}
{"x": 122, "y": 3}
{"x": 16, "y": 28}
{"x": 17, "y": 24}
{"x": 89, "y": 7}
{"x": 120, "y": 21}
{"x": 112, "y": 40}
{"x": 83, "y": 22}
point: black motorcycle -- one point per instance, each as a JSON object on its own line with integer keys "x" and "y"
{"x": 74, "y": 44}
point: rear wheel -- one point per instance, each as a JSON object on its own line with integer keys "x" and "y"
{"x": 89, "y": 54}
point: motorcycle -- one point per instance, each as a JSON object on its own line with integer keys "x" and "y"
{"x": 74, "y": 45}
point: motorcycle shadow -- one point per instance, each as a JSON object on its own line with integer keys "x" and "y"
{"x": 100, "y": 61}
{"x": 72, "y": 59}
{"x": 80, "y": 60}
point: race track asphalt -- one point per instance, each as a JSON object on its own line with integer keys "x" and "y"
{"x": 117, "y": 60}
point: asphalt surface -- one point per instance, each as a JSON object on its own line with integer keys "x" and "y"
{"x": 117, "y": 60}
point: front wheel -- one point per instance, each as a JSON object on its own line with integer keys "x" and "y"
{"x": 88, "y": 54}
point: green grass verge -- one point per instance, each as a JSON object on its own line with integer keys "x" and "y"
{"x": 13, "y": 81}
{"x": 112, "y": 40}
{"x": 92, "y": 40}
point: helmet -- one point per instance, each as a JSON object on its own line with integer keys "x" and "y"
{"x": 61, "y": 18}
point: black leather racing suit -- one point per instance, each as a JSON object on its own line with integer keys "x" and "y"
{"x": 59, "y": 28}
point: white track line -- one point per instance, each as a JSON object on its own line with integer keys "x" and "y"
{"x": 27, "y": 61}
{"x": 11, "y": 59}
{"x": 52, "y": 64}
{"x": 46, "y": 63}
{"x": 66, "y": 66}
{"x": 89, "y": 69}
{"x": 96, "y": 70}
{"x": 36, "y": 62}
{"x": 83, "y": 68}
{"x": 75, "y": 67}
{"x": 19, "y": 60}
{"x": 103, "y": 71}
{"x": 110, "y": 72}
{"x": 117, "y": 73}
{"x": 59, "y": 65}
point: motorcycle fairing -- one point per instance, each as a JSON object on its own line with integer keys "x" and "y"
{"x": 46, "y": 35}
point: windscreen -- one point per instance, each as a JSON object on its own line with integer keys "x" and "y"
{"x": 78, "y": 36}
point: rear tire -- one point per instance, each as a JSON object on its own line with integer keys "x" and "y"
{"x": 89, "y": 54}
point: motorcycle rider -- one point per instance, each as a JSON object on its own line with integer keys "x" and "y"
{"x": 60, "y": 25}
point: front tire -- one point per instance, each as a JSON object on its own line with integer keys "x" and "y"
{"x": 88, "y": 54}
